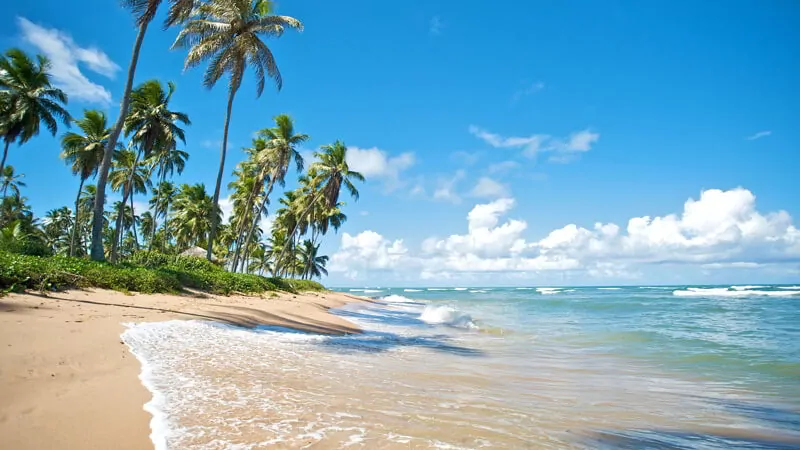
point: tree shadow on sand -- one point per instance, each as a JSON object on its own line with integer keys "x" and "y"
{"x": 379, "y": 342}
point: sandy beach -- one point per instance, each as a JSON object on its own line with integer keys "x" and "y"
{"x": 68, "y": 381}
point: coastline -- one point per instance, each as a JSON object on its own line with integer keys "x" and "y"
{"x": 68, "y": 381}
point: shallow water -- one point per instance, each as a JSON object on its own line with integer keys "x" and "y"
{"x": 632, "y": 367}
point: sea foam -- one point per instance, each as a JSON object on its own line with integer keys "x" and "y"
{"x": 725, "y": 292}
{"x": 446, "y": 315}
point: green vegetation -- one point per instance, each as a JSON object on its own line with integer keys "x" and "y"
{"x": 139, "y": 154}
{"x": 146, "y": 272}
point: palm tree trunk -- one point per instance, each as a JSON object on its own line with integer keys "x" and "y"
{"x": 213, "y": 232}
{"x": 102, "y": 178}
{"x": 256, "y": 219}
{"x": 296, "y": 226}
{"x": 75, "y": 226}
{"x": 166, "y": 227}
{"x": 240, "y": 233}
{"x": 155, "y": 213}
{"x": 118, "y": 228}
{"x": 3, "y": 161}
{"x": 133, "y": 215}
{"x": 126, "y": 192}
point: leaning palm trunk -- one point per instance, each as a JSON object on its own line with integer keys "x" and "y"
{"x": 102, "y": 178}
{"x": 5, "y": 155}
{"x": 241, "y": 227}
{"x": 256, "y": 219}
{"x": 126, "y": 191}
{"x": 155, "y": 215}
{"x": 133, "y": 215}
{"x": 290, "y": 236}
{"x": 213, "y": 232}
{"x": 75, "y": 226}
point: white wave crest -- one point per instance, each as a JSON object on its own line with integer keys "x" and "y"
{"x": 412, "y": 290}
{"x": 788, "y": 287}
{"x": 609, "y": 289}
{"x": 523, "y": 289}
{"x": 725, "y": 292}
{"x": 546, "y": 291}
{"x": 372, "y": 291}
{"x": 446, "y": 315}
{"x": 747, "y": 288}
{"x": 394, "y": 298}
{"x": 438, "y": 289}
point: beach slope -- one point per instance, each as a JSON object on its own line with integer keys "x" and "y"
{"x": 68, "y": 381}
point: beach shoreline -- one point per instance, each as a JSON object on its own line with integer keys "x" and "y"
{"x": 68, "y": 381}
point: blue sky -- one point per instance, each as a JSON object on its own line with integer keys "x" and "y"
{"x": 576, "y": 112}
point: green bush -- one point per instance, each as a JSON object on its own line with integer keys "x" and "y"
{"x": 26, "y": 246}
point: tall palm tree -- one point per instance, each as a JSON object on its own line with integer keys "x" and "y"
{"x": 143, "y": 12}
{"x": 326, "y": 177}
{"x": 148, "y": 227}
{"x": 150, "y": 122}
{"x": 84, "y": 153}
{"x": 163, "y": 196}
{"x": 11, "y": 180}
{"x": 281, "y": 150}
{"x": 27, "y": 99}
{"x": 130, "y": 176}
{"x": 86, "y": 206}
{"x": 193, "y": 215}
{"x": 58, "y": 229}
{"x": 227, "y": 33}
{"x": 311, "y": 263}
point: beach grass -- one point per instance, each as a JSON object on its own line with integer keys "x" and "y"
{"x": 147, "y": 272}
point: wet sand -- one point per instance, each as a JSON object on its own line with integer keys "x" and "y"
{"x": 68, "y": 381}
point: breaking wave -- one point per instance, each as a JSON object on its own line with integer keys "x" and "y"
{"x": 446, "y": 315}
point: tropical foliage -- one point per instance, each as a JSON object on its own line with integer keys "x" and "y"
{"x": 139, "y": 156}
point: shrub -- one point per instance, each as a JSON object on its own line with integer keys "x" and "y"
{"x": 26, "y": 246}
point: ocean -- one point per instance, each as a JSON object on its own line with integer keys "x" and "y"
{"x": 646, "y": 367}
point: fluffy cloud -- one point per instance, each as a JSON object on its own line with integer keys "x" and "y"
{"x": 65, "y": 55}
{"x": 721, "y": 229}
{"x": 375, "y": 163}
{"x": 489, "y": 188}
{"x": 561, "y": 150}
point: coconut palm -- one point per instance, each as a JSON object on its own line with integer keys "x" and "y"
{"x": 84, "y": 153}
{"x": 228, "y": 33}
{"x": 148, "y": 227}
{"x": 281, "y": 150}
{"x": 143, "y": 12}
{"x": 163, "y": 196}
{"x": 11, "y": 181}
{"x": 311, "y": 263}
{"x": 27, "y": 99}
{"x": 130, "y": 176}
{"x": 325, "y": 180}
{"x": 58, "y": 228}
{"x": 193, "y": 215}
{"x": 150, "y": 123}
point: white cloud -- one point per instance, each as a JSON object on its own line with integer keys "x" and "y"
{"x": 366, "y": 251}
{"x": 446, "y": 188}
{"x": 720, "y": 230}
{"x": 435, "y": 26}
{"x": 467, "y": 158}
{"x": 226, "y": 207}
{"x": 528, "y": 90}
{"x": 489, "y": 188}
{"x": 759, "y": 135}
{"x": 65, "y": 56}
{"x": 561, "y": 149}
{"x": 376, "y": 163}
{"x": 502, "y": 167}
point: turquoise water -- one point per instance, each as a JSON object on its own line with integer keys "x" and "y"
{"x": 678, "y": 367}
{"x": 728, "y": 349}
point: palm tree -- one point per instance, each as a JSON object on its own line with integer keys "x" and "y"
{"x": 84, "y": 153}
{"x": 27, "y": 99}
{"x": 58, "y": 228}
{"x": 143, "y": 11}
{"x": 326, "y": 177}
{"x": 311, "y": 264}
{"x": 227, "y": 33}
{"x": 274, "y": 160}
{"x": 153, "y": 125}
{"x": 11, "y": 180}
{"x": 148, "y": 227}
{"x": 193, "y": 215}
{"x": 86, "y": 206}
{"x": 131, "y": 176}
{"x": 163, "y": 196}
